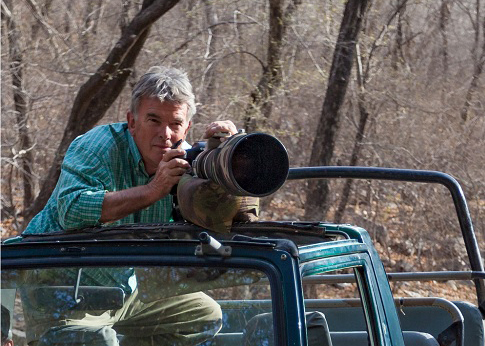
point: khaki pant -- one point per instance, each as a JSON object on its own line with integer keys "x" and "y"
{"x": 181, "y": 320}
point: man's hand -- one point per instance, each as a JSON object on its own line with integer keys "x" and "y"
{"x": 118, "y": 204}
{"x": 220, "y": 126}
{"x": 169, "y": 172}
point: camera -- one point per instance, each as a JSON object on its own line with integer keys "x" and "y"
{"x": 253, "y": 164}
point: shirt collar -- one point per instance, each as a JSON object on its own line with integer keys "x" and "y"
{"x": 137, "y": 159}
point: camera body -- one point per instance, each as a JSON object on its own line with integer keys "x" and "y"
{"x": 192, "y": 153}
{"x": 255, "y": 164}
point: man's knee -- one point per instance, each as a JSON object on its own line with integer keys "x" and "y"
{"x": 183, "y": 320}
{"x": 209, "y": 315}
{"x": 210, "y": 308}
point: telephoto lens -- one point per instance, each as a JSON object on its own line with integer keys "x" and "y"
{"x": 253, "y": 164}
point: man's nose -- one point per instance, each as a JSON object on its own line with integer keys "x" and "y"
{"x": 165, "y": 132}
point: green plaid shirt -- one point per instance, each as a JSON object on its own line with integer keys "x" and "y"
{"x": 104, "y": 159}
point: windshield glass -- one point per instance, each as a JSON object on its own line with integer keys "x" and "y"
{"x": 134, "y": 306}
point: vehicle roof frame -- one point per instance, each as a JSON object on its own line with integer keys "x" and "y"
{"x": 418, "y": 176}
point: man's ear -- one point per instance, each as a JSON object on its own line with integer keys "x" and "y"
{"x": 130, "y": 117}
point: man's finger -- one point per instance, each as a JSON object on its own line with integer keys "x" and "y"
{"x": 173, "y": 153}
{"x": 177, "y": 171}
{"x": 220, "y": 126}
{"x": 178, "y": 164}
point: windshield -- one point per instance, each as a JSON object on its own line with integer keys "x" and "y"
{"x": 134, "y": 306}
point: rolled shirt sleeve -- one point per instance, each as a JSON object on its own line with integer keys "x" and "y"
{"x": 82, "y": 186}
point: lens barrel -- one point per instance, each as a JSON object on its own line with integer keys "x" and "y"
{"x": 253, "y": 164}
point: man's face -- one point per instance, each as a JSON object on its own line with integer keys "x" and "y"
{"x": 158, "y": 126}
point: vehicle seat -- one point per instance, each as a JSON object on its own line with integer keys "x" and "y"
{"x": 360, "y": 338}
{"x": 474, "y": 325}
{"x": 259, "y": 330}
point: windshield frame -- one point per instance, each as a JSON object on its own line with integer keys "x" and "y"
{"x": 285, "y": 296}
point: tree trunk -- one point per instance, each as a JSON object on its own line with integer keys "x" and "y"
{"x": 208, "y": 90}
{"x": 397, "y": 52}
{"x": 101, "y": 89}
{"x": 359, "y": 137}
{"x": 20, "y": 103}
{"x": 8, "y": 210}
{"x": 316, "y": 205}
{"x": 361, "y": 78}
{"x": 479, "y": 62}
{"x": 260, "y": 107}
{"x": 444, "y": 19}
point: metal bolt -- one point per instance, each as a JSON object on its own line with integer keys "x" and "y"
{"x": 283, "y": 257}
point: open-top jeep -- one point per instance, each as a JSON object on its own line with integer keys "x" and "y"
{"x": 257, "y": 274}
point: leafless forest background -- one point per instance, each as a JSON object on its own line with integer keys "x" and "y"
{"x": 395, "y": 83}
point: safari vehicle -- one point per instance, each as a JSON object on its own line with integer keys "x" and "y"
{"x": 257, "y": 273}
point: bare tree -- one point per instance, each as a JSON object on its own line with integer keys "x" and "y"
{"x": 260, "y": 107}
{"x": 97, "y": 94}
{"x": 90, "y": 23}
{"x": 397, "y": 52}
{"x": 16, "y": 66}
{"x": 362, "y": 75}
{"x": 45, "y": 7}
{"x": 479, "y": 60}
{"x": 208, "y": 92}
{"x": 40, "y": 15}
{"x": 359, "y": 136}
{"x": 443, "y": 23}
{"x": 324, "y": 144}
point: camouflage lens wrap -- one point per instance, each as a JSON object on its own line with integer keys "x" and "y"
{"x": 210, "y": 206}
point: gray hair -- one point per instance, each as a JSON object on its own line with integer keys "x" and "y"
{"x": 167, "y": 84}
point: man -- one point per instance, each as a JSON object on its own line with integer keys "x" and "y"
{"x": 123, "y": 173}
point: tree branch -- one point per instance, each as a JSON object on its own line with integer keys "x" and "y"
{"x": 198, "y": 33}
